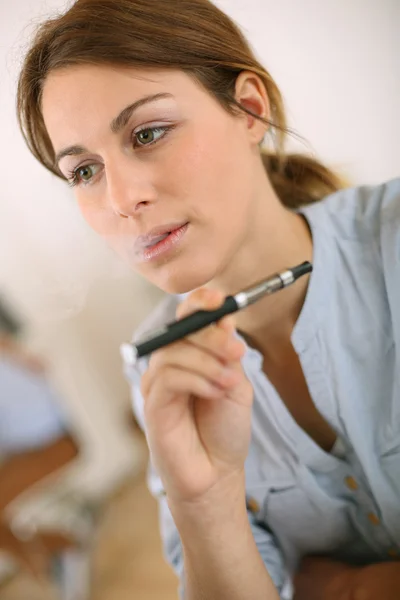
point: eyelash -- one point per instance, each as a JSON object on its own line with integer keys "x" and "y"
{"x": 72, "y": 176}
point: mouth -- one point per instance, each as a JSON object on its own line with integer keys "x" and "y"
{"x": 159, "y": 240}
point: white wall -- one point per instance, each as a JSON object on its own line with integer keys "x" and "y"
{"x": 338, "y": 66}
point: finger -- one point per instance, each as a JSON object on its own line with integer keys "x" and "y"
{"x": 202, "y": 298}
{"x": 216, "y": 341}
{"x": 228, "y": 324}
{"x": 188, "y": 357}
{"x": 219, "y": 339}
{"x": 223, "y": 344}
{"x": 173, "y": 381}
{"x": 212, "y": 341}
{"x": 205, "y": 299}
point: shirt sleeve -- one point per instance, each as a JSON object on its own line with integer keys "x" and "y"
{"x": 171, "y": 543}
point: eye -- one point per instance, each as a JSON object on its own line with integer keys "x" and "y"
{"x": 148, "y": 136}
{"x": 83, "y": 175}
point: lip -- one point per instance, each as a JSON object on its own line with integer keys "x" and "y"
{"x": 160, "y": 242}
{"x": 144, "y": 241}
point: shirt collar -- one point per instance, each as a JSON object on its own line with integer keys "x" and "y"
{"x": 319, "y": 286}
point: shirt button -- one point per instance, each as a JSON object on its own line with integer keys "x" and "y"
{"x": 373, "y": 518}
{"x": 393, "y": 553}
{"x": 351, "y": 483}
{"x": 253, "y": 505}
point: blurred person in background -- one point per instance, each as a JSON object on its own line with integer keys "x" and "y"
{"x": 274, "y": 434}
{"x": 35, "y": 443}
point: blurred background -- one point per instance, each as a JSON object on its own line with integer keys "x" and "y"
{"x": 72, "y": 460}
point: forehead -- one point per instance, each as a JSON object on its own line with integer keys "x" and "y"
{"x": 74, "y": 96}
{"x": 107, "y": 78}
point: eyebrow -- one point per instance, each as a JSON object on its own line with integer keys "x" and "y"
{"x": 116, "y": 124}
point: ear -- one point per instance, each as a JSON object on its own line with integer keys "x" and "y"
{"x": 250, "y": 92}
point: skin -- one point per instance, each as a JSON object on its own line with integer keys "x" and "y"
{"x": 207, "y": 171}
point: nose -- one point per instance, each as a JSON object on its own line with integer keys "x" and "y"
{"x": 129, "y": 188}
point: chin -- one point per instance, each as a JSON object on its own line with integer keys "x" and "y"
{"x": 177, "y": 280}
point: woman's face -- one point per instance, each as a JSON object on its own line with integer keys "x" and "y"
{"x": 168, "y": 184}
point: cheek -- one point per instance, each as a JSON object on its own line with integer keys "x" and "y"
{"x": 101, "y": 220}
{"x": 109, "y": 227}
{"x": 87, "y": 212}
{"x": 221, "y": 176}
{"x": 209, "y": 170}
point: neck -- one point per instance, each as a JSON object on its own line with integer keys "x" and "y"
{"x": 278, "y": 238}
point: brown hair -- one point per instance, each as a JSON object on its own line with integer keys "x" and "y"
{"x": 190, "y": 35}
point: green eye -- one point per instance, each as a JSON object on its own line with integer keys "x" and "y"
{"x": 146, "y": 135}
{"x": 150, "y": 135}
{"x": 85, "y": 173}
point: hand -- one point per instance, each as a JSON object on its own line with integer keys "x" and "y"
{"x": 198, "y": 406}
{"x": 321, "y": 578}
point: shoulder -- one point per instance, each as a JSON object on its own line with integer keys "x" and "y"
{"x": 359, "y": 213}
{"x": 358, "y": 231}
{"x": 364, "y": 223}
{"x": 356, "y": 234}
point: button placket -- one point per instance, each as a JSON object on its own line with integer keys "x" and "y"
{"x": 374, "y": 528}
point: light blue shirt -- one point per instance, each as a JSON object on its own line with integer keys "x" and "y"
{"x": 301, "y": 499}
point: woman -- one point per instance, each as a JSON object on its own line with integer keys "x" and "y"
{"x": 273, "y": 435}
